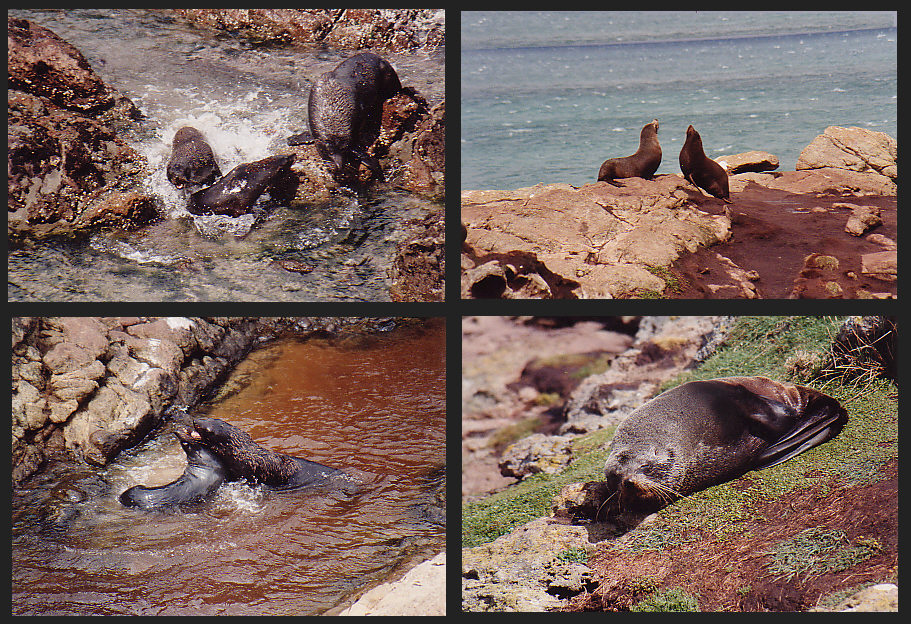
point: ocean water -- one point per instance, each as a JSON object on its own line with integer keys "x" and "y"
{"x": 548, "y": 96}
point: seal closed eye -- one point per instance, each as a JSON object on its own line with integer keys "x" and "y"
{"x": 703, "y": 433}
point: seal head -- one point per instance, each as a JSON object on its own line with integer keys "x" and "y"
{"x": 643, "y": 164}
{"x": 701, "y": 170}
{"x": 192, "y": 162}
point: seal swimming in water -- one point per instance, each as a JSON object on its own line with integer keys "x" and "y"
{"x": 204, "y": 474}
{"x": 703, "y": 433}
{"x": 701, "y": 170}
{"x": 643, "y": 164}
{"x": 345, "y": 110}
{"x": 235, "y": 193}
{"x": 244, "y": 459}
{"x": 192, "y": 161}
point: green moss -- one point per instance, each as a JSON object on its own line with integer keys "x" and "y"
{"x": 673, "y": 599}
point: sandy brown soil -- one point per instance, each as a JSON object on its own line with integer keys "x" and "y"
{"x": 732, "y": 574}
{"x": 774, "y": 231}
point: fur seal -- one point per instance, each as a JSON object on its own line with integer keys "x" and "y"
{"x": 192, "y": 161}
{"x": 703, "y": 433}
{"x": 244, "y": 459}
{"x": 701, "y": 170}
{"x": 235, "y": 193}
{"x": 204, "y": 474}
{"x": 345, "y": 110}
{"x": 643, "y": 164}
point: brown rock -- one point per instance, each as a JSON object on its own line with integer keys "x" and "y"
{"x": 855, "y": 149}
{"x": 748, "y": 161}
{"x": 881, "y": 264}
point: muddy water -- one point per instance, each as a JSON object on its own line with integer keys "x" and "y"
{"x": 246, "y": 98}
{"x": 374, "y": 409}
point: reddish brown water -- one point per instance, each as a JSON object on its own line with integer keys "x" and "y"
{"x": 374, "y": 410}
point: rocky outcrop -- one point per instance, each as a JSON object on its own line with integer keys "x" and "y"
{"x": 661, "y": 237}
{"x": 391, "y": 29}
{"x": 65, "y": 158}
{"x": 94, "y": 386}
{"x": 602, "y": 241}
{"x": 418, "y": 270}
{"x": 416, "y": 593}
{"x": 854, "y": 149}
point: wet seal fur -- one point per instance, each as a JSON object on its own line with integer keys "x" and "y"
{"x": 701, "y": 170}
{"x": 235, "y": 193}
{"x": 643, "y": 164}
{"x": 703, "y": 433}
{"x": 192, "y": 161}
{"x": 203, "y": 476}
{"x": 345, "y": 110}
{"x": 244, "y": 459}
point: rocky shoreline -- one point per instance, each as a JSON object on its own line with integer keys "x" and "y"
{"x": 663, "y": 238}
{"x": 71, "y": 172}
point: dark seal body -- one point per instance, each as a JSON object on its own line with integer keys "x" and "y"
{"x": 192, "y": 161}
{"x": 701, "y": 170}
{"x": 244, "y": 459}
{"x": 235, "y": 193}
{"x": 643, "y": 164}
{"x": 703, "y": 433}
{"x": 346, "y": 108}
{"x": 204, "y": 474}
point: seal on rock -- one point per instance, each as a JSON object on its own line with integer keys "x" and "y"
{"x": 701, "y": 170}
{"x": 345, "y": 110}
{"x": 643, "y": 164}
{"x": 703, "y": 433}
{"x": 235, "y": 193}
{"x": 204, "y": 474}
{"x": 244, "y": 459}
{"x": 192, "y": 161}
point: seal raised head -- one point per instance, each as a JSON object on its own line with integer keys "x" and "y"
{"x": 643, "y": 164}
{"x": 192, "y": 161}
{"x": 244, "y": 459}
{"x": 701, "y": 170}
{"x": 703, "y": 433}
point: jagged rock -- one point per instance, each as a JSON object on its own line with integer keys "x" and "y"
{"x": 534, "y": 454}
{"x": 602, "y": 237}
{"x": 862, "y": 218}
{"x": 856, "y": 149}
{"x": 882, "y": 264}
{"x": 418, "y": 269}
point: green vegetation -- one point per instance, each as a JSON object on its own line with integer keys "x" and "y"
{"x": 783, "y": 348}
{"x": 673, "y": 599}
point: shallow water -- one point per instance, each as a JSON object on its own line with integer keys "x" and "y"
{"x": 375, "y": 409}
{"x": 246, "y": 98}
{"x": 547, "y": 96}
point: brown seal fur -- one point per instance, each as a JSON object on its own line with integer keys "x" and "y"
{"x": 703, "y": 433}
{"x": 701, "y": 170}
{"x": 244, "y": 459}
{"x": 643, "y": 164}
{"x": 192, "y": 161}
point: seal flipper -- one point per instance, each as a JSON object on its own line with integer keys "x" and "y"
{"x": 828, "y": 423}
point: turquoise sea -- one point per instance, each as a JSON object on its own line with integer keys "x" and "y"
{"x": 548, "y": 96}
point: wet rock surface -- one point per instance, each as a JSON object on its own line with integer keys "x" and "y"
{"x": 90, "y": 387}
{"x": 392, "y": 29}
